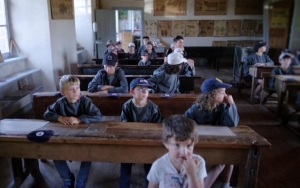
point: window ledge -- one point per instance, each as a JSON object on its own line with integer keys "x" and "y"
{"x": 11, "y": 60}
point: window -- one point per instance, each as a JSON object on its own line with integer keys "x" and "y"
{"x": 4, "y": 29}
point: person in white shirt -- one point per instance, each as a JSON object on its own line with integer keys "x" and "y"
{"x": 180, "y": 167}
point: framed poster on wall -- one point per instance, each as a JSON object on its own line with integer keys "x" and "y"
{"x": 248, "y": 27}
{"x": 169, "y": 7}
{"x": 206, "y": 28}
{"x": 164, "y": 28}
{"x": 151, "y": 28}
{"x": 191, "y": 28}
{"x": 234, "y": 28}
{"x": 210, "y": 7}
{"x": 62, "y": 10}
{"x": 219, "y": 28}
{"x": 178, "y": 27}
{"x": 249, "y": 7}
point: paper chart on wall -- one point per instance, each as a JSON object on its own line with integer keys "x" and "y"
{"x": 219, "y": 43}
{"x": 234, "y": 28}
{"x": 247, "y": 43}
{"x": 233, "y": 43}
{"x": 169, "y": 7}
{"x": 178, "y": 27}
{"x": 164, "y": 28}
{"x": 191, "y": 28}
{"x": 248, "y": 27}
{"x": 210, "y": 7}
{"x": 219, "y": 28}
{"x": 249, "y": 7}
{"x": 206, "y": 28}
{"x": 151, "y": 28}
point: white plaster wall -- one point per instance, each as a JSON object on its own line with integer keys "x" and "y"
{"x": 84, "y": 30}
{"x": 30, "y": 29}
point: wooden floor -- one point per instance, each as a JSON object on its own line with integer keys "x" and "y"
{"x": 279, "y": 166}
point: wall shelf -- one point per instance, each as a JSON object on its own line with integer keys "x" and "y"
{"x": 17, "y": 76}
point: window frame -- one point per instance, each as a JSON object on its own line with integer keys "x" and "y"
{"x": 6, "y": 55}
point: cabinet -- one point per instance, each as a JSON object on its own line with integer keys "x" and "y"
{"x": 17, "y": 84}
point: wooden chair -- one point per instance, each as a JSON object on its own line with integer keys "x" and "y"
{"x": 265, "y": 88}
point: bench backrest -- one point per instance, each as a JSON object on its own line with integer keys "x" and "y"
{"x": 112, "y": 106}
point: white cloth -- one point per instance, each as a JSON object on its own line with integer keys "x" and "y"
{"x": 165, "y": 175}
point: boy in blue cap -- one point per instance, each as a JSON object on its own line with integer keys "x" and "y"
{"x": 215, "y": 107}
{"x": 72, "y": 109}
{"x": 138, "y": 109}
{"x": 145, "y": 59}
{"x": 110, "y": 79}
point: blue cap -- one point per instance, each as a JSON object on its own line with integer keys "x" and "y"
{"x": 139, "y": 82}
{"x": 110, "y": 59}
{"x": 213, "y": 83}
{"x": 40, "y": 135}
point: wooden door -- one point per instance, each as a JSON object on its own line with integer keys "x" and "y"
{"x": 280, "y": 14}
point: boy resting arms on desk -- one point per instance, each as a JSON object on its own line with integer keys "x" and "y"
{"x": 110, "y": 79}
{"x": 72, "y": 109}
{"x": 138, "y": 109}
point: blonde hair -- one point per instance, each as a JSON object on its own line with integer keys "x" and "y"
{"x": 207, "y": 101}
{"x": 68, "y": 80}
{"x": 179, "y": 127}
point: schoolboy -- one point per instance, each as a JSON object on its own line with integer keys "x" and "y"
{"x": 215, "y": 107}
{"x": 145, "y": 59}
{"x": 131, "y": 52}
{"x": 72, "y": 109}
{"x": 179, "y": 167}
{"x": 258, "y": 58}
{"x": 119, "y": 47}
{"x": 138, "y": 109}
{"x": 187, "y": 70}
{"x": 168, "y": 80}
{"x": 110, "y": 79}
{"x": 142, "y": 48}
{"x": 108, "y": 44}
{"x": 285, "y": 68}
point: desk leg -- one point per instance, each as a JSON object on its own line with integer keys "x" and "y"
{"x": 252, "y": 89}
{"x": 280, "y": 103}
{"x": 251, "y": 171}
{"x": 17, "y": 167}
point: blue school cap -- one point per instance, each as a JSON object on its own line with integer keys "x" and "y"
{"x": 139, "y": 82}
{"x": 210, "y": 84}
{"x": 40, "y": 135}
{"x": 110, "y": 59}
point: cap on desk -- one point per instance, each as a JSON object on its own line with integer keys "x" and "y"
{"x": 40, "y": 135}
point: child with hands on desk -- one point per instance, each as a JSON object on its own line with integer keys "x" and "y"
{"x": 215, "y": 107}
{"x": 179, "y": 167}
{"x": 110, "y": 79}
{"x": 72, "y": 109}
{"x": 138, "y": 109}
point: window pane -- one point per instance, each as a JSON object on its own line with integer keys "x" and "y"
{"x": 3, "y": 40}
{"x": 2, "y": 13}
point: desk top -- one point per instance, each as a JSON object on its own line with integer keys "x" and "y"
{"x": 288, "y": 78}
{"x": 133, "y": 133}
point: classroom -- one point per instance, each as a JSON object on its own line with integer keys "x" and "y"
{"x": 88, "y": 89}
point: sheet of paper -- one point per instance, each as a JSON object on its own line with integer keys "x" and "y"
{"x": 215, "y": 131}
{"x": 20, "y": 126}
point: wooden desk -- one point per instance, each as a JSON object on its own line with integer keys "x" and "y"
{"x": 119, "y": 141}
{"x": 112, "y": 106}
{"x": 282, "y": 81}
{"x": 256, "y": 73}
{"x": 158, "y": 61}
{"x": 187, "y": 83}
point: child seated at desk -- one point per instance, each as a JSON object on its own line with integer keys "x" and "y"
{"x": 131, "y": 52}
{"x": 145, "y": 59}
{"x": 180, "y": 167}
{"x": 168, "y": 80}
{"x": 111, "y": 79}
{"x": 138, "y": 109}
{"x": 215, "y": 107}
{"x": 257, "y": 59}
{"x": 285, "y": 60}
{"x": 188, "y": 69}
{"x": 150, "y": 50}
{"x": 119, "y": 47}
{"x": 72, "y": 109}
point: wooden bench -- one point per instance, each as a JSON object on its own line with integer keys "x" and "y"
{"x": 112, "y": 106}
{"x": 187, "y": 83}
{"x": 128, "y": 69}
{"x": 116, "y": 142}
{"x": 158, "y": 61}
